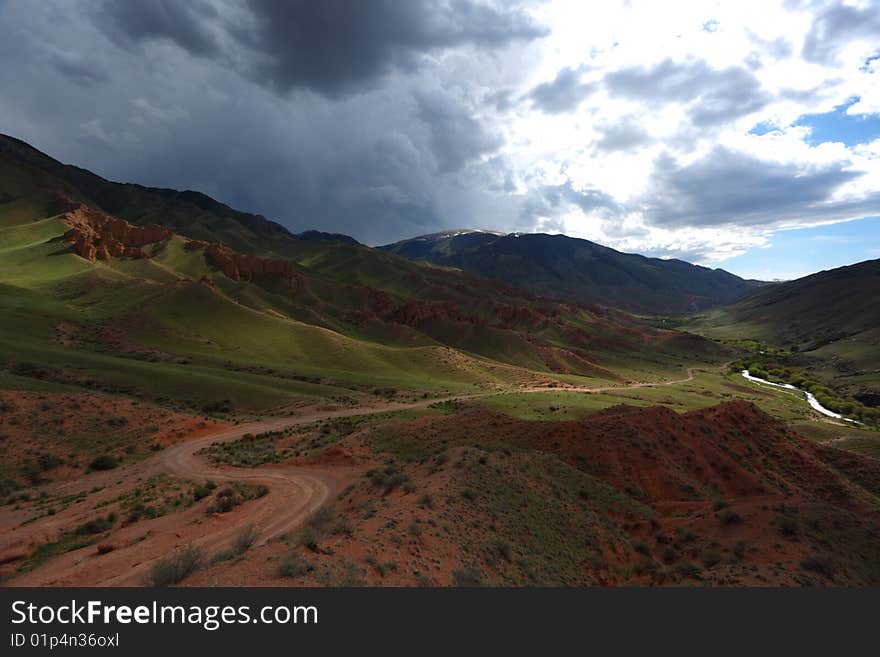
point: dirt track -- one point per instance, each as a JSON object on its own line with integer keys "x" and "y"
{"x": 294, "y": 494}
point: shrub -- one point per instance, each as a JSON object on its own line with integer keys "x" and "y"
{"x": 426, "y": 501}
{"x": 49, "y": 461}
{"x": 379, "y": 567}
{"x": 245, "y": 539}
{"x": 242, "y": 543}
{"x": 468, "y": 576}
{"x": 787, "y": 525}
{"x": 294, "y": 565}
{"x": 222, "y": 406}
{"x": 821, "y": 563}
{"x": 501, "y": 548}
{"x": 388, "y": 478}
{"x": 352, "y": 575}
{"x": 688, "y": 570}
{"x": 203, "y": 490}
{"x": 231, "y": 496}
{"x": 177, "y": 567}
{"x": 711, "y": 558}
{"x": 729, "y": 517}
{"x": 103, "y": 462}
{"x": 96, "y": 526}
{"x": 310, "y": 537}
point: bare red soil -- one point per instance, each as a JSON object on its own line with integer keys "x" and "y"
{"x": 725, "y": 496}
{"x": 722, "y": 496}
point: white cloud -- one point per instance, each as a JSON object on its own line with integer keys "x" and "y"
{"x": 656, "y": 86}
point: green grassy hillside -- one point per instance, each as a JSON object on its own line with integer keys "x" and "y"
{"x": 826, "y": 326}
{"x": 346, "y": 321}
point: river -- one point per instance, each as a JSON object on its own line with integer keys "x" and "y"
{"x": 811, "y": 399}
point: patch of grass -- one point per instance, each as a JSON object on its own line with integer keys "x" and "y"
{"x": 711, "y": 558}
{"x": 103, "y": 462}
{"x": 467, "y": 576}
{"x": 388, "y": 478}
{"x": 824, "y": 564}
{"x": 96, "y": 526}
{"x": 66, "y": 543}
{"x": 235, "y": 494}
{"x": 729, "y": 517}
{"x": 248, "y": 451}
{"x": 688, "y": 570}
{"x": 294, "y": 565}
{"x": 787, "y": 525}
{"x": 323, "y": 522}
{"x": 202, "y": 491}
{"x": 242, "y": 543}
{"x": 176, "y": 567}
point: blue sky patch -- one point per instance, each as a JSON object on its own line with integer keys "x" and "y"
{"x": 840, "y": 126}
{"x": 763, "y": 128}
{"x": 795, "y": 253}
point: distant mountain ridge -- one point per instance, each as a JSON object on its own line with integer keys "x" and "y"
{"x": 553, "y": 266}
{"x": 578, "y": 270}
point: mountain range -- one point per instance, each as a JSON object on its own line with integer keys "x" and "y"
{"x": 578, "y": 270}
{"x": 553, "y": 266}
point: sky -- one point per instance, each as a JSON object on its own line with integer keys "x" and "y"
{"x": 742, "y": 135}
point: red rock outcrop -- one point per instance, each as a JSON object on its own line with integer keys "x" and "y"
{"x": 240, "y": 267}
{"x": 94, "y": 235}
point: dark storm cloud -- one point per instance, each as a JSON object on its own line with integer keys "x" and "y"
{"x": 78, "y": 70}
{"x": 714, "y": 96}
{"x": 337, "y": 47}
{"x": 836, "y": 26}
{"x": 410, "y": 155}
{"x": 182, "y": 23}
{"x": 563, "y": 93}
{"x": 726, "y": 187}
{"x": 456, "y": 137}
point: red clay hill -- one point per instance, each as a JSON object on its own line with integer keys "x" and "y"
{"x": 732, "y": 495}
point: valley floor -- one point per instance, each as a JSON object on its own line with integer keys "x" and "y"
{"x": 342, "y": 496}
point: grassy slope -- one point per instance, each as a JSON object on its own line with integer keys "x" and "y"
{"x": 200, "y": 334}
{"x": 832, "y": 319}
{"x": 355, "y": 318}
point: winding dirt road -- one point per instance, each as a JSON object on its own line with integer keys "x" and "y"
{"x": 295, "y": 492}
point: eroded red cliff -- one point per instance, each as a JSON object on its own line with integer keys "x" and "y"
{"x": 238, "y": 266}
{"x": 95, "y": 235}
